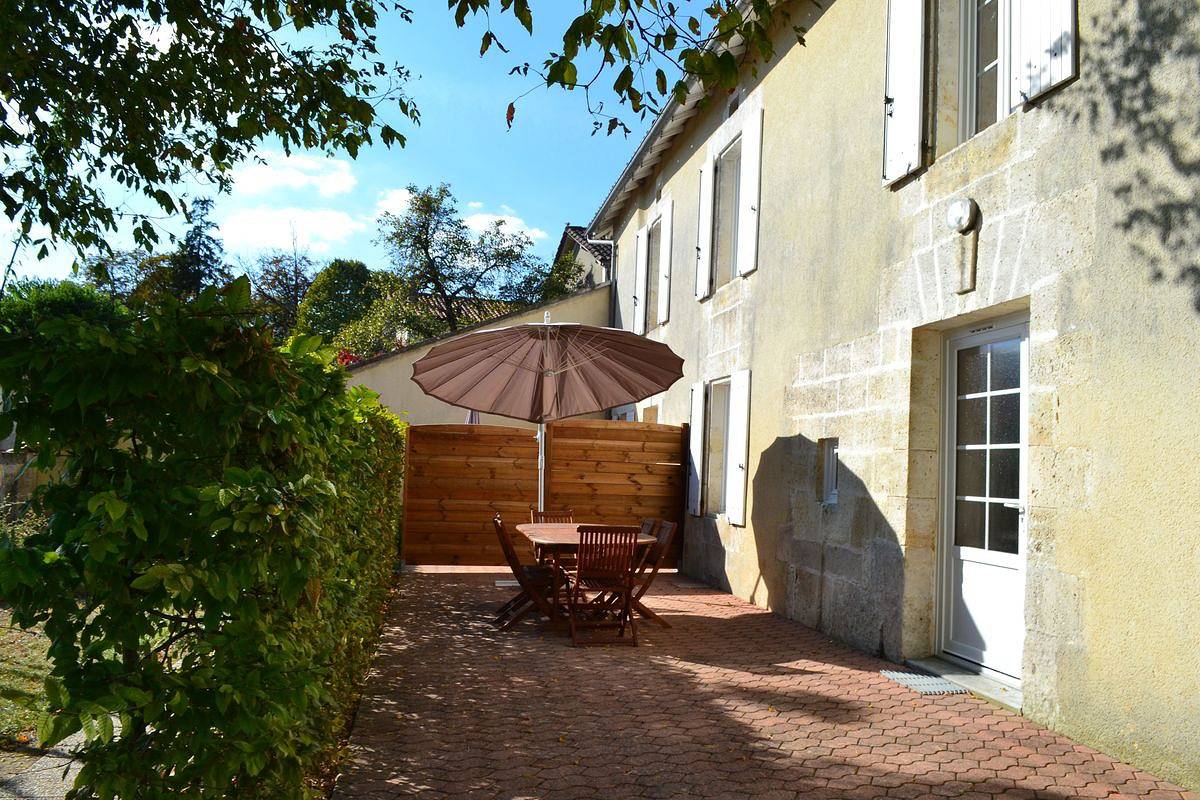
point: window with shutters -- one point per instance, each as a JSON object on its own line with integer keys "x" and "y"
{"x": 987, "y": 59}
{"x": 717, "y": 439}
{"x": 725, "y": 213}
{"x": 1011, "y": 52}
{"x": 653, "y": 272}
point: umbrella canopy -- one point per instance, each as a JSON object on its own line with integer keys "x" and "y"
{"x": 543, "y": 372}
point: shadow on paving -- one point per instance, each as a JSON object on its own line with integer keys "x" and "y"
{"x": 731, "y": 702}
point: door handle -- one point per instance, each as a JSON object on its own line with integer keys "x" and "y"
{"x": 1020, "y": 507}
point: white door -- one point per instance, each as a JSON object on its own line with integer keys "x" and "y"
{"x": 983, "y": 613}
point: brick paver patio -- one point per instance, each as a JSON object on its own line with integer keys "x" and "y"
{"x": 732, "y": 702}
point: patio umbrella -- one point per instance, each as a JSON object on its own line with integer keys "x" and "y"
{"x": 541, "y": 372}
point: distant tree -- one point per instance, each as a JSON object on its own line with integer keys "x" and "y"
{"x": 445, "y": 268}
{"x": 548, "y": 282}
{"x": 280, "y": 282}
{"x": 340, "y": 294}
{"x": 197, "y": 262}
{"x": 387, "y": 323}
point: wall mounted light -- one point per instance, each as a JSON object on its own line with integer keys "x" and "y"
{"x": 961, "y": 214}
{"x": 962, "y": 217}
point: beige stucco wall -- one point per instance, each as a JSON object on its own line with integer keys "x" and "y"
{"x": 1090, "y": 224}
{"x": 391, "y": 376}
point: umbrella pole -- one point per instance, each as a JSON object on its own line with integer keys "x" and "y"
{"x": 541, "y": 466}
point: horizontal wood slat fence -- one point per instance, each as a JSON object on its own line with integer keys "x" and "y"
{"x": 460, "y": 476}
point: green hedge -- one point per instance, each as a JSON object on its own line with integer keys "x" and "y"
{"x": 219, "y": 541}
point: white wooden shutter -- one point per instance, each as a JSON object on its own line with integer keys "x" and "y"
{"x": 695, "y": 449}
{"x": 903, "y": 106}
{"x": 704, "y": 232}
{"x": 642, "y": 263}
{"x": 737, "y": 447}
{"x": 748, "y": 193}
{"x": 664, "y": 260}
{"x": 1043, "y": 46}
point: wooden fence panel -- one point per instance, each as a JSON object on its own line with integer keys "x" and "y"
{"x": 618, "y": 472}
{"x": 460, "y": 476}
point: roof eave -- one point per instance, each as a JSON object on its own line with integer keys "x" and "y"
{"x": 656, "y": 143}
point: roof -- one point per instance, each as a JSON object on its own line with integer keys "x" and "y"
{"x": 470, "y": 309}
{"x": 513, "y": 312}
{"x": 578, "y": 235}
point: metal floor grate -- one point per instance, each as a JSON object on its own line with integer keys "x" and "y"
{"x": 924, "y": 684}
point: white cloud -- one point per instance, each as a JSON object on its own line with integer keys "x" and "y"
{"x": 474, "y": 204}
{"x": 328, "y": 176}
{"x": 482, "y": 221}
{"x": 264, "y": 227}
{"x": 393, "y": 201}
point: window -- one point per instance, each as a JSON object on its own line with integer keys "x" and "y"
{"x": 829, "y": 470}
{"x": 987, "y": 431}
{"x": 728, "y": 218}
{"x": 627, "y": 413}
{"x": 725, "y": 213}
{"x": 991, "y": 57}
{"x": 716, "y": 435}
{"x": 986, "y": 51}
{"x": 719, "y": 448}
{"x": 653, "y": 272}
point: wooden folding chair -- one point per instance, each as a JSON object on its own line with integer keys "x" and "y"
{"x": 559, "y": 515}
{"x": 566, "y": 515}
{"x": 649, "y": 568}
{"x": 605, "y": 566}
{"x": 536, "y": 584}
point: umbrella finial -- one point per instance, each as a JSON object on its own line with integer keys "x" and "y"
{"x": 546, "y": 318}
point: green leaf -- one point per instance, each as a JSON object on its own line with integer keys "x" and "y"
{"x": 147, "y": 580}
{"x": 53, "y": 728}
{"x": 115, "y": 507}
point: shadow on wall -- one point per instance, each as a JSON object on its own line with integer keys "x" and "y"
{"x": 1145, "y": 60}
{"x": 840, "y": 566}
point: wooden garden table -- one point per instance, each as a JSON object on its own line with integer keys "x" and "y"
{"x": 558, "y": 539}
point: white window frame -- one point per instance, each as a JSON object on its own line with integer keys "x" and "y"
{"x": 1023, "y": 29}
{"x": 969, "y": 67}
{"x": 706, "y": 502}
{"x": 745, "y": 123}
{"x": 736, "y": 210}
{"x": 829, "y": 470}
{"x": 661, "y": 214}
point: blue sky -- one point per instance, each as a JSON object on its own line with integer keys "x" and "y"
{"x": 546, "y": 171}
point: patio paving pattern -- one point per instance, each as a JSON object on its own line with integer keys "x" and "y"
{"x": 732, "y": 702}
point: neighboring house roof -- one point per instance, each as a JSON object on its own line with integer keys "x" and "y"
{"x": 577, "y": 235}
{"x": 657, "y": 142}
{"x": 355, "y": 364}
{"x": 470, "y": 310}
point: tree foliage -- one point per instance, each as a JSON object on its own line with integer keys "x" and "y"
{"x": 141, "y": 97}
{"x": 144, "y": 95}
{"x": 340, "y": 294}
{"x": 280, "y": 282}
{"x": 647, "y": 50}
{"x": 444, "y": 267}
{"x": 385, "y": 325}
{"x": 196, "y": 263}
{"x": 221, "y": 529}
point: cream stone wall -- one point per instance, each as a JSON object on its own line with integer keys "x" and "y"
{"x": 391, "y": 375}
{"x": 1090, "y": 225}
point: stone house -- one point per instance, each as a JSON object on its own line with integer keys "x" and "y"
{"x": 934, "y": 274}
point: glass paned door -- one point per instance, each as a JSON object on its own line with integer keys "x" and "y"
{"x": 986, "y": 439}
